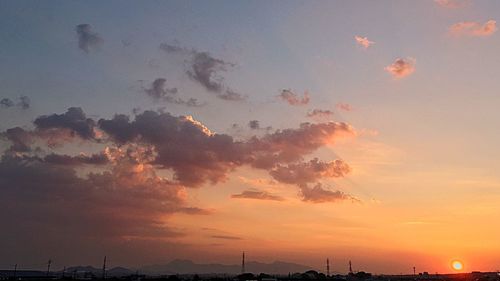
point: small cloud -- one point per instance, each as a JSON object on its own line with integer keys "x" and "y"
{"x": 254, "y": 124}
{"x": 226, "y": 237}
{"x": 293, "y": 99}
{"x": 401, "y": 67}
{"x": 23, "y": 103}
{"x": 231, "y": 95}
{"x": 6, "y": 103}
{"x": 258, "y": 194}
{"x": 363, "y": 41}
{"x": 472, "y": 28}
{"x": 87, "y": 39}
{"x": 160, "y": 92}
{"x": 318, "y": 194}
{"x": 452, "y": 4}
{"x": 320, "y": 114}
{"x": 344, "y": 106}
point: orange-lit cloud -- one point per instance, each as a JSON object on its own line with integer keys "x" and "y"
{"x": 472, "y": 28}
{"x": 401, "y": 67}
{"x": 452, "y": 3}
{"x": 363, "y": 41}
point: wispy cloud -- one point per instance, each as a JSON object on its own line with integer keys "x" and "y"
{"x": 344, "y": 106}
{"x": 472, "y": 28}
{"x": 363, "y": 42}
{"x": 452, "y": 3}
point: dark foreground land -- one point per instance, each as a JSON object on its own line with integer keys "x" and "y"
{"x": 308, "y": 275}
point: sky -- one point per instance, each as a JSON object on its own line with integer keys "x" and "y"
{"x": 149, "y": 131}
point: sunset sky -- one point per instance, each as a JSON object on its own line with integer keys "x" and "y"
{"x": 292, "y": 130}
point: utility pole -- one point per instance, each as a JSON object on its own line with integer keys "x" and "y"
{"x": 243, "y": 263}
{"x": 350, "y": 267}
{"x": 104, "y": 269}
{"x": 327, "y": 267}
{"x": 48, "y": 267}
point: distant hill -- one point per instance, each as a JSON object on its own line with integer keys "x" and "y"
{"x": 189, "y": 267}
{"x": 112, "y": 272}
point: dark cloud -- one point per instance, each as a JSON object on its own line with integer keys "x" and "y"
{"x": 68, "y": 160}
{"x": 74, "y": 120}
{"x": 197, "y": 155}
{"x": 6, "y": 103}
{"x": 318, "y": 194}
{"x": 293, "y": 99}
{"x": 184, "y": 146}
{"x": 308, "y": 172}
{"x": 87, "y": 39}
{"x": 206, "y": 70}
{"x": 160, "y": 92}
{"x": 19, "y": 138}
{"x": 258, "y": 194}
{"x": 254, "y": 124}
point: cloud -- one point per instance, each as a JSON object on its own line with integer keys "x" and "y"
{"x": 308, "y": 172}
{"x": 87, "y": 39}
{"x": 452, "y": 3}
{"x": 363, "y": 41}
{"x": 19, "y": 138}
{"x": 344, "y": 106}
{"x": 206, "y": 70}
{"x": 127, "y": 201}
{"x": 231, "y": 95}
{"x": 6, "y": 103}
{"x": 293, "y": 99}
{"x": 191, "y": 152}
{"x": 470, "y": 28}
{"x": 74, "y": 120}
{"x": 401, "y": 67}
{"x": 318, "y": 194}
{"x": 159, "y": 92}
{"x": 257, "y": 194}
{"x": 254, "y": 124}
{"x": 320, "y": 114}
{"x": 23, "y": 103}
{"x": 226, "y": 237}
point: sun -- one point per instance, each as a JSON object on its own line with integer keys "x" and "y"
{"x": 457, "y": 265}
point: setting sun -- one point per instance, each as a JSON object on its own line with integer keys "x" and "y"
{"x": 457, "y": 265}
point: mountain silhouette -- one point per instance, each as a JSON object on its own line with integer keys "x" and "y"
{"x": 189, "y": 267}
